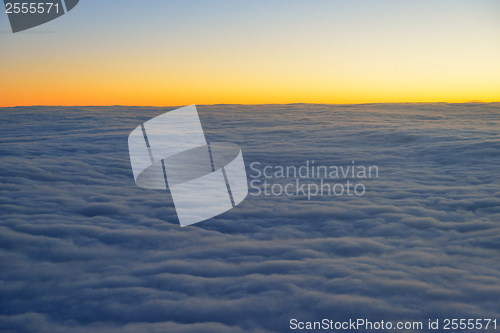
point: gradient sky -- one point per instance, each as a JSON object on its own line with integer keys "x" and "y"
{"x": 250, "y": 52}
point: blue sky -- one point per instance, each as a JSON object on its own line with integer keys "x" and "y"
{"x": 184, "y": 52}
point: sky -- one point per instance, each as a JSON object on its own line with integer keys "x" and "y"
{"x": 162, "y": 53}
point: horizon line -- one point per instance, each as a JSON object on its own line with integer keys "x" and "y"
{"x": 247, "y": 104}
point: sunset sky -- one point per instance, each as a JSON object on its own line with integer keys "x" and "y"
{"x": 165, "y": 53}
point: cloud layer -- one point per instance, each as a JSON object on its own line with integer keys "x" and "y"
{"x": 83, "y": 249}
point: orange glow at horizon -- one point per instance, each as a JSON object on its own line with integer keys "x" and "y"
{"x": 167, "y": 82}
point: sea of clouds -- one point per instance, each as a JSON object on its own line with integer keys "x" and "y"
{"x": 83, "y": 249}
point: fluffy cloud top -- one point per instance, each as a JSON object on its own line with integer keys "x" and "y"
{"x": 83, "y": 249}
